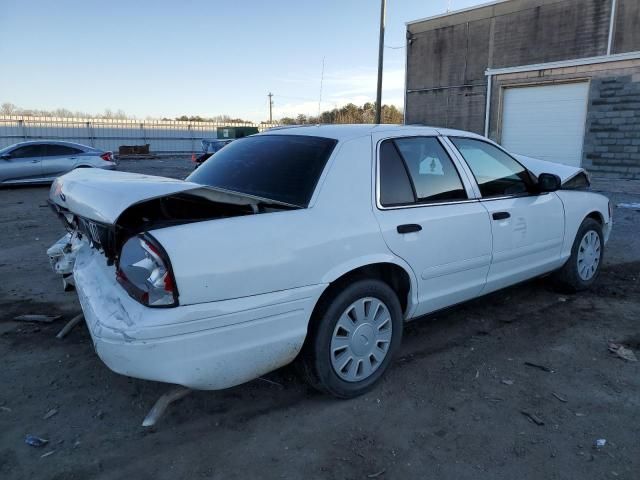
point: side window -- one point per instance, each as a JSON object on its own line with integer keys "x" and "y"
{"x": 434, "y": 175}
{"x": 395, "y": 187}
{"x": 53, "y": 150}
{"x": 496, "y": 173}
{"x": 28, "y": 151}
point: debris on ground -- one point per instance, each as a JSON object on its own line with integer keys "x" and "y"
{"x": 632, "y": 205}
{"x": 50, "y": 414}
{"x": 162, "y": 403}
{"x": 622, "y": 352}
{"x": 377, "y": 474}
{"x": 35, "y": 441}
{"x": 69, "y": 326}
{"x": 559, "y": 397}
{"x": 532, "y": 417}
{"x": 37, "y": 318}
{"x": 47, "y": 454}
{"x": 600, "y": 442}
{"x": 5, "y": 409}
{"x": 507, "y": 381}
{"x": 544, "y": 368}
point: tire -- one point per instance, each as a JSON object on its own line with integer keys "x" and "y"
{"x": 369, "y": 309}
{"x": 579, "y": 273}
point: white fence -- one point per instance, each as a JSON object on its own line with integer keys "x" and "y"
{"x": 163, "y": 136}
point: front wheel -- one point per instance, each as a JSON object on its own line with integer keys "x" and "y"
{"x": 583, "y": 266}
{"x": 352, "y": 338}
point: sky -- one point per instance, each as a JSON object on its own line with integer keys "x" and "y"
{"x": 203, "y": 57}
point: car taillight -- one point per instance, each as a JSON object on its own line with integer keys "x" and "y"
{"x": 106, "y": 156}
{"x": 145, "y": 272}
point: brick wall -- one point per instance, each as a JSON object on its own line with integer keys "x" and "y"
{"x": 612, "y": 134}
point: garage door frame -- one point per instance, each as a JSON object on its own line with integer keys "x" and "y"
{"x": 547, "y": 83}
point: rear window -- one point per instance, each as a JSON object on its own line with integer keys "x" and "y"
{"x": 285, "y": 168}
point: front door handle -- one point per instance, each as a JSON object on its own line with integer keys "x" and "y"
{"x": 501, "y": 215}
{"x": 408, "y": 228}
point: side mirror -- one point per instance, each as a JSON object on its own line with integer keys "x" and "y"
{"x": 549, "y": 182}
{"x": 5, "y": 156}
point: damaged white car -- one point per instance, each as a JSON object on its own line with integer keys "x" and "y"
{"x": 315, "y": 243}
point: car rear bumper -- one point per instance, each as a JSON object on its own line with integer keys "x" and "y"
{"x": 204, "y": 346}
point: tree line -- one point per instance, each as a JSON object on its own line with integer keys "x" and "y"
{"x": 350, "y": 113}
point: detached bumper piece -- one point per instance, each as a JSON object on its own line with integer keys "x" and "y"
{"x": 62, "y": 256}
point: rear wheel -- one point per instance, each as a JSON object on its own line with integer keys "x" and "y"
{"x": 352, "y": 338}
{"x": 583, "y": 267}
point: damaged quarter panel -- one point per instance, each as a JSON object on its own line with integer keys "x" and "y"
{"x": 227, "y": 342}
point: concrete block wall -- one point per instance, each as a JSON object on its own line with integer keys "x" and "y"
{"x": 612, "y": 133}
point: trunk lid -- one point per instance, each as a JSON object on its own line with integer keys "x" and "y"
{"x": 102, "y": 196}
{"x": 109, "y": 207}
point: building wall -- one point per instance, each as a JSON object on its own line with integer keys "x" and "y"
{"x": 612, "y": 131}
{"x": 447, "y": 56}
{"x": 612, "y": 139}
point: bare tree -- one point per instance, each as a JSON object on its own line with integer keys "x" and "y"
{"x": 8, "y": 109}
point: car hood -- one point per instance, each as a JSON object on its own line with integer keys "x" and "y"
{"x": 537, "y": 166}
{"x": 102, "y": 195}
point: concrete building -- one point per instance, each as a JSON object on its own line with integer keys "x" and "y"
{"x": 553, "y": 79}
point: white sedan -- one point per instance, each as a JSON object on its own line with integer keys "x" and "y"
{"x": 314, "y": 243}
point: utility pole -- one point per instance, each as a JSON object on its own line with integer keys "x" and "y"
{"x": 383, "y": 8}
{"x": 270, "y": 107}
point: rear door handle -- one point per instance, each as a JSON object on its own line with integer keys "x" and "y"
{"x": 501, "y": 215}
{"x": 408, "y": 228}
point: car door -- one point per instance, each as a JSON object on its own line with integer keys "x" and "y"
{"x": 23, "y": 164}
{"x": 428, "y": 217}
{"x": 59, "y": 159}
{"x": 527, "y": 227}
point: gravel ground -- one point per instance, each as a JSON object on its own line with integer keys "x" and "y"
{"x": 451, "y": 406}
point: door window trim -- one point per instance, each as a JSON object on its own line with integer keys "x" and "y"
{"x": 466, "y": 184}
{"x": 473, "y": 177}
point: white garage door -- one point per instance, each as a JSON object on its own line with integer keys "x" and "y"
{"x": 546, "y": 122}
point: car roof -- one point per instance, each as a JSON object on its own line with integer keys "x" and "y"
{"x": 54, "y": 142}
{"x": 347, "y": 132}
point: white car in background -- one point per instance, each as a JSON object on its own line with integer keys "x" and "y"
{"x": 315, "y": 243}
{"x": 42, "y": 161}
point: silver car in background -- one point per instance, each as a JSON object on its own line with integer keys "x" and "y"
{"x": 43, "y": 161}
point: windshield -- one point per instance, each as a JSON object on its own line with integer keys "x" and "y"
{"x": 285, "y": 168}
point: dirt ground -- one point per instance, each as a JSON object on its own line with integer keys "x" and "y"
{"x": 451, "y": 406}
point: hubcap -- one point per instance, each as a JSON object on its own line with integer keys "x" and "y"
{"x": 589, "y": 253}
{"x": 361, "y": 339}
